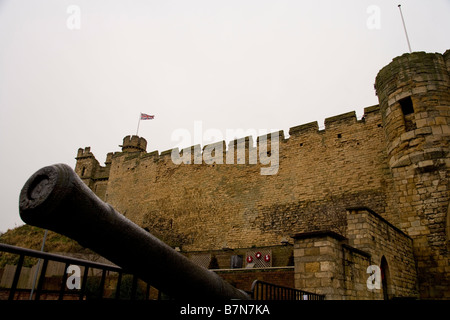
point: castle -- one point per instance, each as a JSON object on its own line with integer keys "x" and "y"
{"x": 360, "y": 194}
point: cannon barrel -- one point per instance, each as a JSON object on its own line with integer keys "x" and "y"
{"x": 55, "y": 198}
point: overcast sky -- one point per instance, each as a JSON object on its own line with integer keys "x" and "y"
{"x": 78, "y": 73}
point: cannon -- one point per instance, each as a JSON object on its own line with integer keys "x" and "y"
{"x": 55, "y": 198}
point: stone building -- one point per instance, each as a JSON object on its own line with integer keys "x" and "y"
{"x": 368, "y": 193}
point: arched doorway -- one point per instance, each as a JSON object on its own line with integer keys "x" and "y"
{"x": 384, "y": 277}
{"x": 448, "y": 226}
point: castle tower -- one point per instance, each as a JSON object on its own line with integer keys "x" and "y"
{"x": 134, "y": 144}
{"x": 86, "y": 165}
{"x": 414, "y": 95}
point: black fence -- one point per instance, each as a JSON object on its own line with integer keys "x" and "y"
{"x": 267, "y": 291}
{"x": 91, "y": 286}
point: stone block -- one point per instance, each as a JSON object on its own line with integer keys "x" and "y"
{"x": 312, "y": 266}
{"x": 312, "y": 251}
{"x": 327, "y": 266}
{"x": 312, "y": 283}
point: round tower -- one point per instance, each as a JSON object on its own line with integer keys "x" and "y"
{"x": 414, "y": 96}
{"x": 134, "y": 144}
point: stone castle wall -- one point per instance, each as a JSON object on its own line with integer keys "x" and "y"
{"x": 320, "y": 173}
{"x": 336, "y": 265}
{"x": 394, "y": 161}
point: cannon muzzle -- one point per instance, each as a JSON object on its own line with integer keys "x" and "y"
{"x": 55, "y": 198}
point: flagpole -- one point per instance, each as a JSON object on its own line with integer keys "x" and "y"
{"x": 404, "y": 27}
{"x": 139, "y": 121}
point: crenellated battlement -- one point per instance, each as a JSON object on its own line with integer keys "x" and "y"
{"x": 134, "y": 144}
{"x": 240, "y": 150}
{"x": 84, "y": 153}
{"x": 336, "y": 122}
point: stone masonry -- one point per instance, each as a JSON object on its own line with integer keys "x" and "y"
{"x": 394, "y": 162}
{"x": 414, "y": 95}
{"x": 335, "y": 265}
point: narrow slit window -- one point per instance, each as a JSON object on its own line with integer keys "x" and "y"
{"x": 408, "y": 113}
{"x": 407, "y": 106}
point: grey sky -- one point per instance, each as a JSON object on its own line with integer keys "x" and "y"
{"x": 249, "y": 64}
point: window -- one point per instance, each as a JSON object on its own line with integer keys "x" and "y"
{"x": 385, "y": 278}
{"x": 236, "y": 261}
{"x": 406, "y": 105}
{"x": 448, "y": 226}
{"x": 408, "y": 113}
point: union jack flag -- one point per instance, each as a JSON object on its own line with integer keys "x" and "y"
{"x": 146, "y": 116}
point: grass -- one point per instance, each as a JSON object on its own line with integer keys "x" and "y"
{"x": 30, "y": 237}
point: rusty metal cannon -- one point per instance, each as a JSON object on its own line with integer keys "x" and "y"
{"x": 55, "y": 198}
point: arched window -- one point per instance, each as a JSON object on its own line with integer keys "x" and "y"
{"x": 448, "y": 226}
{"x": 385, "y": 278}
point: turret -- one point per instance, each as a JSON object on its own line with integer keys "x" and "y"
{"x": 86, "y": 165}
{"x": 414, "y": 95}
{"x": 134, "y": 144}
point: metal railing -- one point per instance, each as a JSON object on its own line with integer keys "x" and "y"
{"x": 80, "y": 293}
{"x": 260, "y": 290}
{"x": 267, "y": 291}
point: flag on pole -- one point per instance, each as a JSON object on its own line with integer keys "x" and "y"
{"x": 146, "y": 116}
